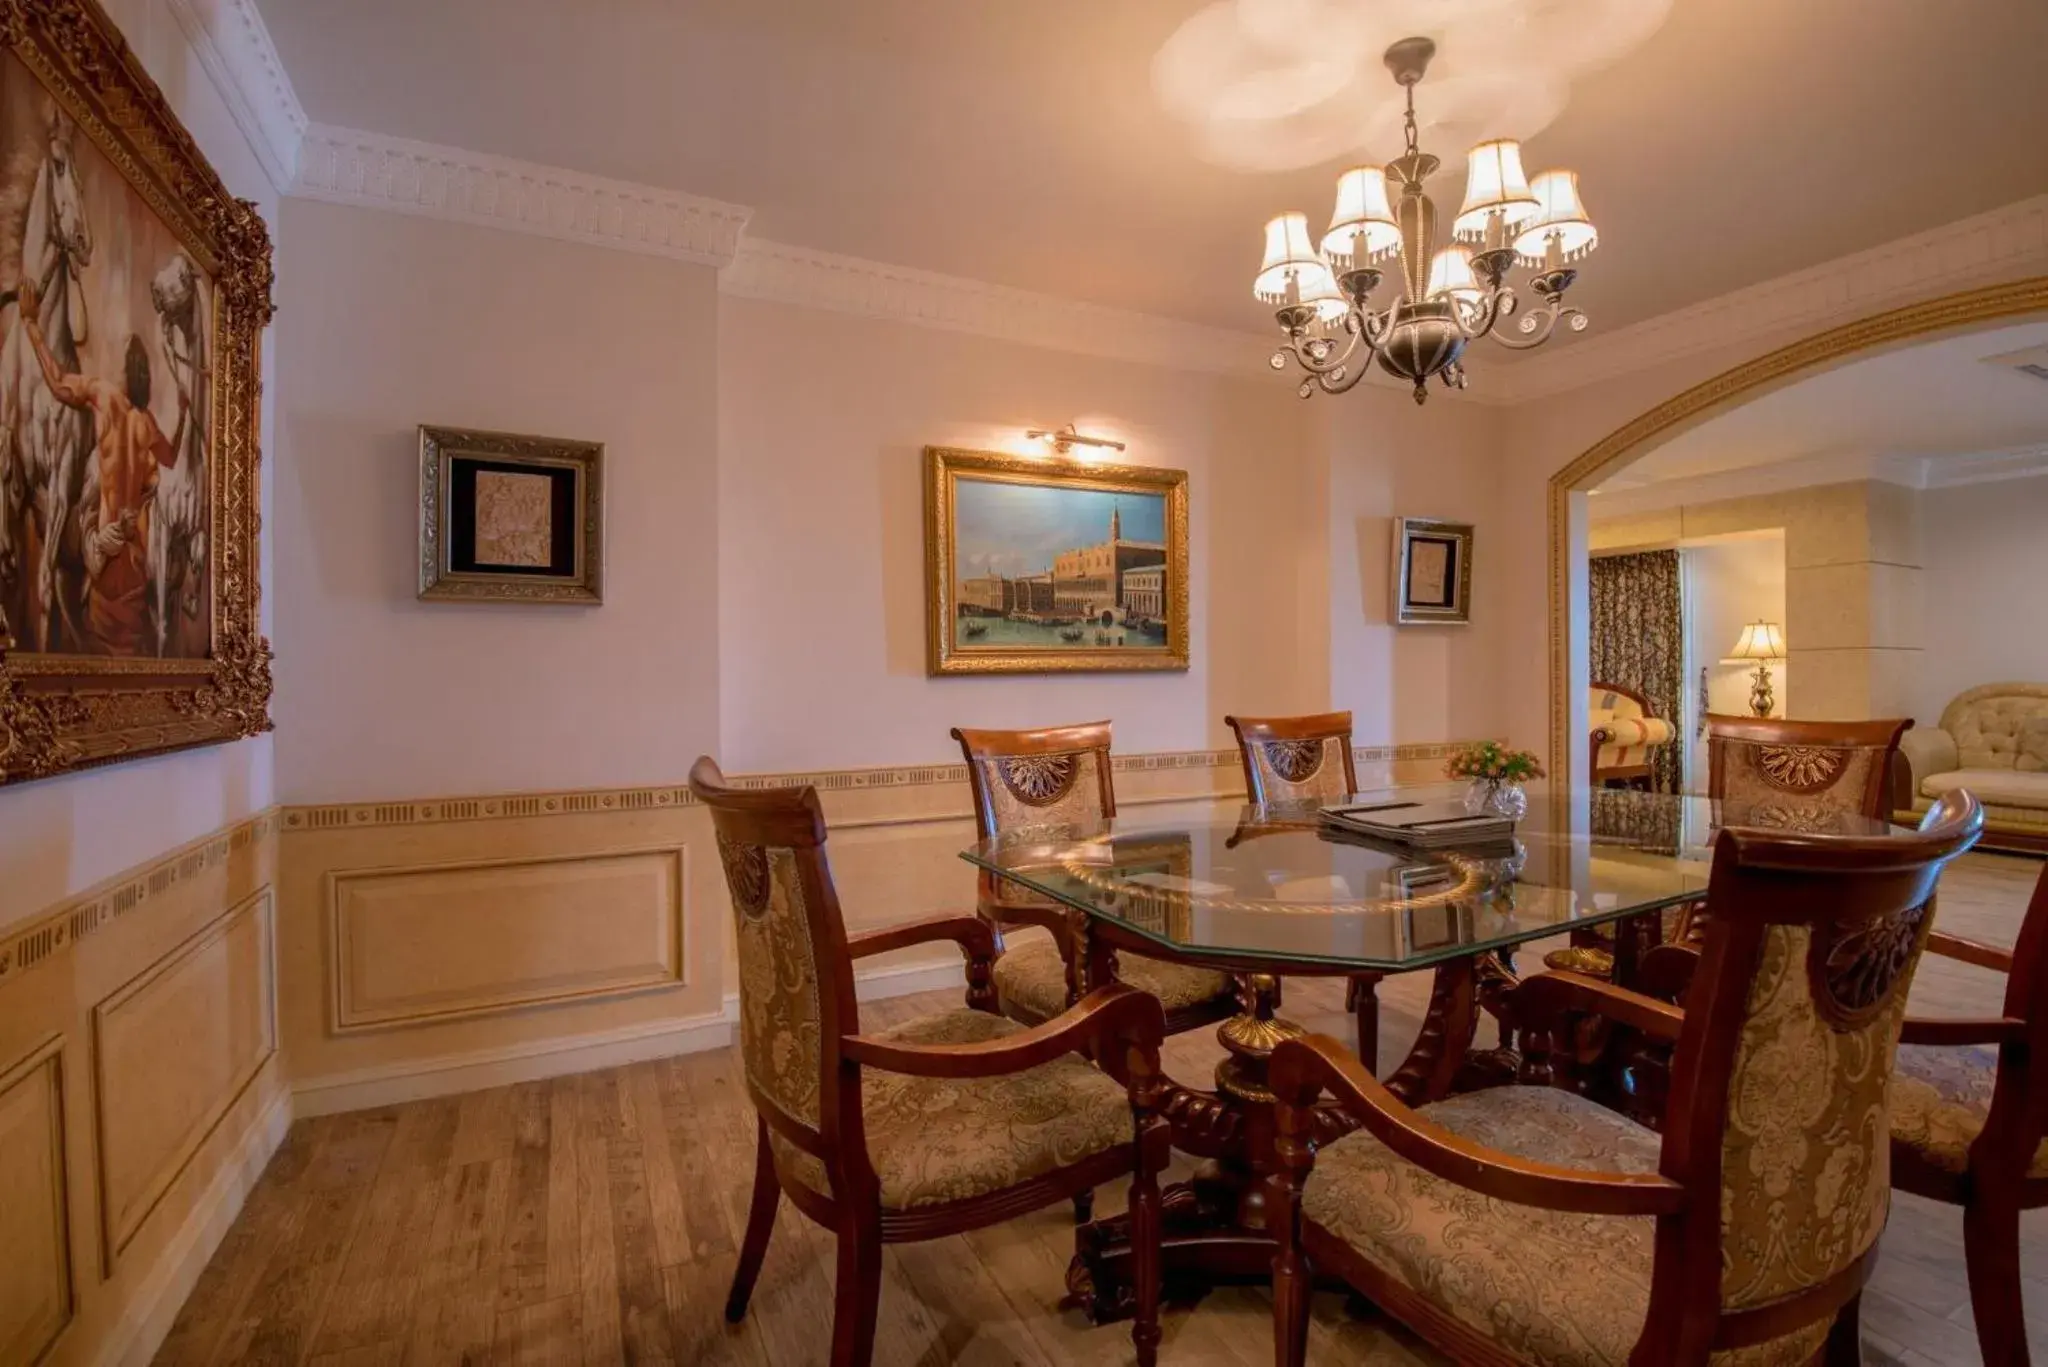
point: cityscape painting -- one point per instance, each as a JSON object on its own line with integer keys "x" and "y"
{"x": 1038, "y": 565}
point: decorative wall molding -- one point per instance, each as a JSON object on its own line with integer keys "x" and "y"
{"x": 159, "y": 1090}
{"x": 2012, "y": 240}
{"x": 784, "y": 274}
{"x": 589, "y": 801}
{"x": 35, "y": 1225}
{"x": 24, "y": 946}
{"x": 234, "y": 48}
{"x": 372, "y": 170}
{"x": 396, "y": 935}
{"x": 1910, "y": 472}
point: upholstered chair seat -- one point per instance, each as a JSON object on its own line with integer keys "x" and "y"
{"x": 1031, "y": 978}
{"x": 1559, "y": 1288}
{"x": 1940, "y": 1099}
{"x": 944, "y": 1139}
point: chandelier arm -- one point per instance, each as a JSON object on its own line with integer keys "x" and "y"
{"x": 1498, "y": 306}
{"x": 1537, "y": 327}
{"x": 1335, "y": 359}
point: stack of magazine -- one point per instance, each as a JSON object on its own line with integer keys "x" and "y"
{"x": 1420, "y": 825}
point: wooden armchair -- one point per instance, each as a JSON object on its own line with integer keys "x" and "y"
{"x": 1303, "y": 760}
{"x": 943, "y": 1124}
{"x": 1055, "y": 777}
{"x": 1969, "y": 1118}
{"x": 1528, "y": 1225}
{"x": 1624, "y": 731}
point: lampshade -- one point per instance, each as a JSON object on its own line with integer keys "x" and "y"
{"x": 1450, "y": 273}
{"x": 1362, "y": 228}
{"x": 1291, "y": 258}
{"x": 1494, "y": 183}
{"x": 1562, "y": 215}
{"x": 1760, "y": 640}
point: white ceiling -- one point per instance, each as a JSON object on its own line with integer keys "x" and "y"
{"x": 1940, "y": 402}
{"x": 1021, "y": 141}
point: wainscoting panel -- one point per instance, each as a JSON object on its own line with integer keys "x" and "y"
{"x": 35, "y": 1244}
{"x": 418, "y": 945}
{"x": 172, "y": 1051}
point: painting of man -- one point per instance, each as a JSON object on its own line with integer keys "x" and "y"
{"x": 105, "y": 329}
{"x": 128, "y": 450}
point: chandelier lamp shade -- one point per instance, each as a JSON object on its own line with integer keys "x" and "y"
{"x": 1445, "y": 297}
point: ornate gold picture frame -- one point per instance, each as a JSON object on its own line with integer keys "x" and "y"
{"x": 1044, "y": 566}
{"x": 128, "y": 489}
{"x": 508, "y": 517}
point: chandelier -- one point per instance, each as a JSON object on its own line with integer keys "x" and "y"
{"x": 1449, "y": 297}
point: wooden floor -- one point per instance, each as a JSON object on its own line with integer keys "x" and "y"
{"x": 594, "y": 1219}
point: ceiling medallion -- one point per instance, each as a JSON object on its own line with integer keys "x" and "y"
{"x": 1450, "y": 297}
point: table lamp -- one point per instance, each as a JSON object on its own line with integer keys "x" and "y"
{"x": 1761, "y": 642}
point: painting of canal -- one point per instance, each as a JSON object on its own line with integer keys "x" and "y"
{"x": 1044, "y": 565}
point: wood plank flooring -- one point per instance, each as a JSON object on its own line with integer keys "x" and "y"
{"x": 596, "y": 1219}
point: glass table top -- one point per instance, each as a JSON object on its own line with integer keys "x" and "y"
{"x": 1249, "y": 884}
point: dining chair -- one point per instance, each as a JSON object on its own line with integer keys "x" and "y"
{"x": 1969, "y": 1117}
{"x": 1525, "y": 1224}
{"x": 945, "y": 1123}
{"x": 1060, "y": 776}
{"x": 1300, "y": 760}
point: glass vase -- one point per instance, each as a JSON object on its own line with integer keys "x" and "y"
{"x": 1497, "y": 797}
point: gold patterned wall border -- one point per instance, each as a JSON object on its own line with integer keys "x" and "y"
{"x": 23, "y": 947}
{"x": 590, "y": 801}
{"x": 1962, "y": 312}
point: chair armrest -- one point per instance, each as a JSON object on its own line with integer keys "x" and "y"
{"x": 1303, "y": 1067}
{"x": 976, "y": 937}
{"x": 1657, "y": 731}
{"x": 1544, "y": 997}
{"x": 1953, "y": 1031}
{"x": 1969, "y": 951}
{"x": 1113, "y": 1011}
{"x": 1929, "y": 750}
{"x": 1667, "y": 970}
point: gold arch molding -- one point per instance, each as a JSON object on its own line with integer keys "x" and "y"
{"x": 1953, "y": 313}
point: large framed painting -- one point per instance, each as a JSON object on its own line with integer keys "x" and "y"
{"x": 1037, "y": 565}
{"x": 511, "y": 517}
{"x": 133, "y": 291}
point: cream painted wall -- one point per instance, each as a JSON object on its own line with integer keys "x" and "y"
{"x": 62, "y": 835}
{"x": 1729, "y": 582}
{"x": 392, "y": 321}
{"x": 1985, "y": 572}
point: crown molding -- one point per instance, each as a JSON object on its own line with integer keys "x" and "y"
{"x": 2009, "y": 241}
{"x": 785, "y": 274}
{"x": 235, "y": 51}
{"x": 372, "y": 170}
{"x": 1830, "y": 467}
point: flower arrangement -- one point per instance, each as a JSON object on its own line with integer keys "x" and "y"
{"x": 1490, "y": 762}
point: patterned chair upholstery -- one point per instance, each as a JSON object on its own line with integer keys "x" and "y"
{"x": 1968, "y": 1126}
{"x": 1993, "y": 740}
{"x": 1455, "y": 1218}
{"x": 932, "y": 1127}
{"x": 1049, "y": 779}
{"x": 1624, "y": 732}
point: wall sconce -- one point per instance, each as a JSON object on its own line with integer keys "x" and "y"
{"x": 1066, "y": 439}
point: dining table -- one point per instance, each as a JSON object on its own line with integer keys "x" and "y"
{"x": 1276, "y": 892}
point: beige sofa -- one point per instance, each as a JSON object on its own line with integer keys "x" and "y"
{"x": 1993, "y": 740}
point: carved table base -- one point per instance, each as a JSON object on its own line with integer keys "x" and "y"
{"x": 1214, "y": 1227}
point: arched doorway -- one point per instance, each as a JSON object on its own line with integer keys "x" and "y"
{"x": 1731, "y": 389}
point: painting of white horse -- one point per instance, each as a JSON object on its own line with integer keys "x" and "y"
{"x": 105, "y": 327}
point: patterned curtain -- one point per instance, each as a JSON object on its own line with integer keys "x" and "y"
{"x": 1638, "y": 641}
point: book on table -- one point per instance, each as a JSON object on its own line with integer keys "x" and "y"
{"x": 1421, "y": 825}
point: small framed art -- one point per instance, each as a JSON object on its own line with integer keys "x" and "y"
{"x": 510, "y": 517}
{"x": 1432, "y": 571}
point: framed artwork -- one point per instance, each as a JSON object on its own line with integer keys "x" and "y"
{"x": 133, "y": 292}
{"x": 511, "y": 517}
{"x": 1432, "y": 571}
{"x": 1038, "y": 566}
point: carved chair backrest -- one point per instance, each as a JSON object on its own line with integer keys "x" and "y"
{"x": 1291, "y": 759}
{"x": 1776, "y": 1123}
{"x": 1759, "y": 762}
{"x": 796, "y": 978}
{"x": 1024, "y": 780}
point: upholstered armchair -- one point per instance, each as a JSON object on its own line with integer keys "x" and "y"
{"x": 1528, "y": 1225}
{"x": 1625, "y": 731}
{"x": 1306, "y": 760}
{"x": 1970, "y": 1117}
{"x": 1993, "y": 740}
{"x": 946, "y": 1123}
